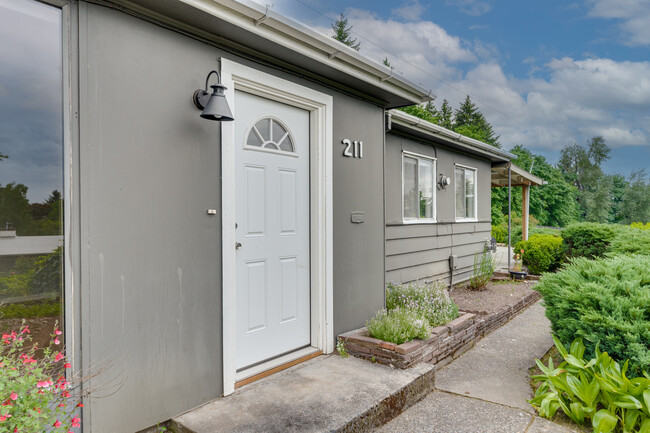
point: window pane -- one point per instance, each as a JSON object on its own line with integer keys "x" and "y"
{"x": 426, "y": 188}
{"x": 469, "y": 193}
{"x": 460, "y": 193}
{"x": 410, "y": 172}
{"x": 31, "y": 168}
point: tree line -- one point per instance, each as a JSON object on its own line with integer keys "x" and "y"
{"x": 576, "y": 189}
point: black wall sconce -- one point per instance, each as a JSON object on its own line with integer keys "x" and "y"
{"x": 214, "y": 105}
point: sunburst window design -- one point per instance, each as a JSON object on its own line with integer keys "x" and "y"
{"x": 270, "y": 134}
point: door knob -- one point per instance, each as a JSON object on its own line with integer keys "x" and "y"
{"x": 237, "y": 245}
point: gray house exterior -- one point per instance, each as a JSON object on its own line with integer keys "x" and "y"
{"x": 420, "y": 248}
{"x": 169, "y": 279}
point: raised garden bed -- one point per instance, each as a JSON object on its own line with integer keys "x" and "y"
{"x": 445, "y": 343}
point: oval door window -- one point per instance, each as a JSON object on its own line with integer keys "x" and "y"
{"x": 270, "y": 134}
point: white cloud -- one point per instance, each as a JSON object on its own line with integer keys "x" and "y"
{"x": 412, "y": 10}
{"x": 634, "y": 14}
{"x": 581, "y": 98}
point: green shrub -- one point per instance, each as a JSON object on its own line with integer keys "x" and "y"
{"x": 500, "y": 233}
{"x": 587, "y": 239}
{"x": 641, "y": 226}
{"x": 542, "y": 253}
{"x": 430, "y": 301}
{"x": 629, "y": 241}
{"x": 597, "y": 389}
{"x": 484, "y": 266}
{"x": 605, "y": 300}
{"x": 398, "y": 326}
{"x": 46, "y": 308}
{"x": 545, "y": 231}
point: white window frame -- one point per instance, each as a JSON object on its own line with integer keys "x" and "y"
{"x": 475, "y": 170}
{"x": 419, "y": 220}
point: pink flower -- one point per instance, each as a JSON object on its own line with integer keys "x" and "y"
{"x": 67, "y": 365}
{"x": 65, "y": 394}
{"x": 57, "y": 423}
{"x": 80, "y": 404}
{"x": 56, "y": 341}
{"x": 4, "y": 418}
{"x": 13, "y": 396}
{"x": 58, "y": 357}
{"x": 25, "y": 329}
{"x": 2, "y": 364}
{"x": 75, "y": 421}
{"x": 57, "y": 332}
{"x": 44, "y": 383}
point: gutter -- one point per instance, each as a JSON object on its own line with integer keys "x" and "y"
{"x": 399, "y": 117}
{"x": 263, "y": 22}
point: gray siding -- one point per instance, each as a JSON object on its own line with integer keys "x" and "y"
{"x": 421, "y": 251}
{"x": 151, "y": 272}
{"x": 150, "y": 266}
{"x": 358, "y": 187}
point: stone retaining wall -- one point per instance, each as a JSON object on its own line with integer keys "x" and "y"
{"x": 445, "y": 343}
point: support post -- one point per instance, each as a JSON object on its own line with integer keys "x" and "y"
{"x": 509, "y": 213}
{"x": 525, "y": 210}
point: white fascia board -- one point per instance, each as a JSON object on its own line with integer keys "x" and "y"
{"x": 301, "y": 39}
{"x": 451, "y": 137}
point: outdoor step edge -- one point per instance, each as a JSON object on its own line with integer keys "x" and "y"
{"x": 391, "y": 406}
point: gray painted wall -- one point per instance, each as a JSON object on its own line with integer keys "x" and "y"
{"x": 151, "y": 270}
{"x": 421, "y": 251}
{"x": 151, "y": 256}
{"x": 358, "y": 187}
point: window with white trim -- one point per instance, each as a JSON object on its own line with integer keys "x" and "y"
{"x": 418, "y": 188}
{"x": 465, "y": 187}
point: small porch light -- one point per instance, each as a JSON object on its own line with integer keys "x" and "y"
{"x": 444, "y": 181}
{"x": 214, "y": 105}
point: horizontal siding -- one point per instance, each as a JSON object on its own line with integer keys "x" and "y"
{"x": 421, "y": 251}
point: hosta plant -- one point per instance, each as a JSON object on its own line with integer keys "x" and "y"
{"x": 35, "y": 394}
{"x": 597, "y": 389}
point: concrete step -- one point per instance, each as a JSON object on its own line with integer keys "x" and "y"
{"x": 326, "y": 394}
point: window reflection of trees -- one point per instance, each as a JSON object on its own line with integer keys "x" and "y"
{"x": 31, "y": 163}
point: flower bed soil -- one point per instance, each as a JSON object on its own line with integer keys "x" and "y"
{"x": 450, "y": 340}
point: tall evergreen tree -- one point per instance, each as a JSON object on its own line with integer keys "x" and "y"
{"x": 446, "y": 115}
{"x": 468, "y": 120}
{"x": 342, "y": 32}
{"x": 635, "y": 205}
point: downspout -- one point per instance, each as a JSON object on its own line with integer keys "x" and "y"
{"x": 509, "y": 212}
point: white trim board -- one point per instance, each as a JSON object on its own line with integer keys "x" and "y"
{"x": 239, "y": 77}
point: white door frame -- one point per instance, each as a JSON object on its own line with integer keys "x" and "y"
{"x": 239, "y": 77}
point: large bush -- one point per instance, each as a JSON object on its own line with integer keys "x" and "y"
{"x": 431, "y": 301}
{"x": 605, "y": 300}
{"x": 588, "y": 239}
{"x": 542, "y": 253}
{"x": 500, "y": 233}
{"x": 629, "y": 241}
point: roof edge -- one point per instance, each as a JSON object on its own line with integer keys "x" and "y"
{"x": 451, "y": 137}
{"x": 295, "y": 36}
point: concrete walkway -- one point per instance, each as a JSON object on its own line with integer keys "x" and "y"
{"x": 485, "y": 390}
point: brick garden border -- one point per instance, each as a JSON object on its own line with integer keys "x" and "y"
{"x": 446, "y": 342}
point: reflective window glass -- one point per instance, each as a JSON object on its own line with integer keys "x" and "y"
{"x": 31, "y": 168}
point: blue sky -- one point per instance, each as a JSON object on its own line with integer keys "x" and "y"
{"x": 545, "y": 74}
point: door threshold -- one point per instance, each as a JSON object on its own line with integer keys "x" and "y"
{"x": 275, "y": 365}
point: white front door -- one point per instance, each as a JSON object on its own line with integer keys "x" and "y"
{"x": 272, "y": 228}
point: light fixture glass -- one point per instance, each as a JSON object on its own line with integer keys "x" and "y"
{"x": 214, "y": 105}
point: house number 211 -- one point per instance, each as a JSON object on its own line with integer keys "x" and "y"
{"x": 353, "y": 149}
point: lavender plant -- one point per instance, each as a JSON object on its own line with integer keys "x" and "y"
{"x": 430, "y": 301}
